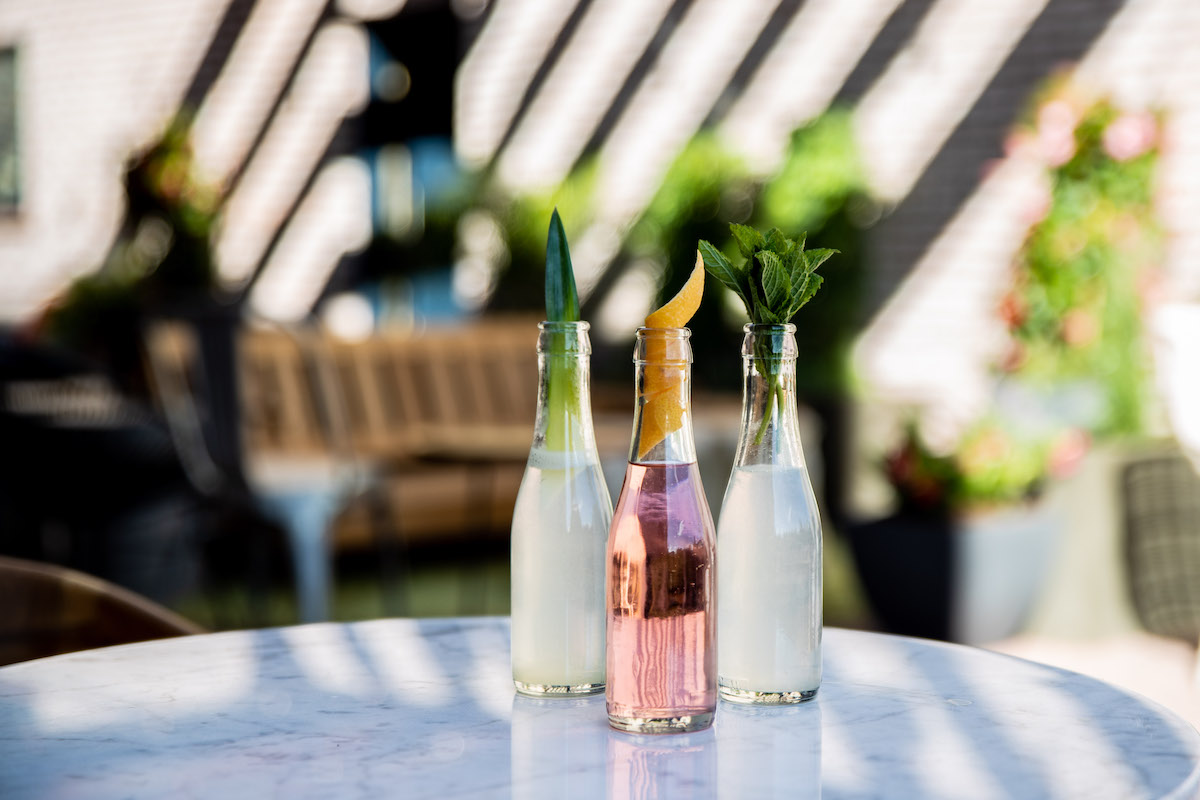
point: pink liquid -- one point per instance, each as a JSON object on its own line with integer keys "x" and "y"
{"x": 661, "y": 653}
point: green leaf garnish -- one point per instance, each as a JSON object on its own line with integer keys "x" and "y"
{"x": 562, "y": 301}
{"x": 717, "y": 265}
{"x": 748, "y": 239}
{"x": 563, "y": 407}
{"x": 776, "y": 283}
{"x": 802, "y": 294}
{"x": 776, "y": 241}
{"x": 779, "y": 275}
{"x": 817, "y": 257}
{"x": 777, "y": 279}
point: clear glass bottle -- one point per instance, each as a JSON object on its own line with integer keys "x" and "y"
{"x": 661, "y": 649}
{"x": 769, "y": 539}
{"x": 559, "y": 530}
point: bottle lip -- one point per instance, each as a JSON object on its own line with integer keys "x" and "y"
{"x": 555, "y": 326}
{"x": 767, "y": 327}
{"x": 564, "y": 339}
{"x": 774, "y": 343}
{"x": 671, "y": 347}
{"x": 665, "y": 333}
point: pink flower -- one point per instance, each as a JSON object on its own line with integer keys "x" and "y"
{"x": 1056, "y": 123}
{"x": 1068, "y": 451}
{"x": 1080, "y": 328}
{"x": 1130, "y": 135}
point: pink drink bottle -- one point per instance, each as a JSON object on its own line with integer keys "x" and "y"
{"x": 661, "y": 655}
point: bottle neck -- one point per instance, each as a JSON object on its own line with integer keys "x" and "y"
{"x": 564, "y": 405}
{"x": 770, "y": 432}
{"x": 662, "y": 426}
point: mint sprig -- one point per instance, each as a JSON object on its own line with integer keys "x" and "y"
{"x": 777, "y": 278}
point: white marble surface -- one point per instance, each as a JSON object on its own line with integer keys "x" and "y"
{"x": 424, "y": 709}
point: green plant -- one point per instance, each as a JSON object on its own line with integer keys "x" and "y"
{"x": 1081, "y": 278}
{"x": 989, "y": 467}
{"x": 162, "y": 255}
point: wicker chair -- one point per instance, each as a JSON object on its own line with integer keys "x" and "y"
{"x": 1162, "y": 539}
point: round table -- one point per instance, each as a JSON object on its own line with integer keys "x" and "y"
{"x": 425, "y": 708}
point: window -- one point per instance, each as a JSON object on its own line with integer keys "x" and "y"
{"x": 10, "y": 174}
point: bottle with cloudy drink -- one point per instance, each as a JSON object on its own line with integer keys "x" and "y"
{"x": 661, "y": 648}
{"x": 562, "y": 514}
{"x": 769, "y": 537}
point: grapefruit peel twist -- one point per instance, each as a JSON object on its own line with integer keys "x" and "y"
{"x": 663, "y": 404}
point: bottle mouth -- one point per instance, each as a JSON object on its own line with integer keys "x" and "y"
{"x": 564, "y": 327}
{"x": 667, "y": 347}
{"x": 681, "y": 333}
{"x": 759, "y": 329}
{"x": 769, "y": 342}
{"x": 564, "y": 338}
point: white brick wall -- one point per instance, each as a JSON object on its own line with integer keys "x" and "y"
{"x": 96, "y": 81}
{"x": 936, "y": 334}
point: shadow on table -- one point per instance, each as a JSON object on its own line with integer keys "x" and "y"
{"x": 983, "y": 733}
{"x": 277, "y": 712}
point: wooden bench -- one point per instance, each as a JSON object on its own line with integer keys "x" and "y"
{"x": 440, "y": 420}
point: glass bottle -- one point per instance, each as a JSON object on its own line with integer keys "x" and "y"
{"x": 559, "y": 530}
{"x": 769, "y": 539}
{"x": 661, "y": 650}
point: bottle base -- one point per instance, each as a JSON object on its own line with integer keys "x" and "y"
{"x": 557, "y": 690}
{"x": 681, "y": 724}
{"x": 748, "y": 697}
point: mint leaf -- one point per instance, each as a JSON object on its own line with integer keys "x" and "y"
{"x": 776, "y": 241}
{"x": 756, "y": 305}
{"x": 796, "y": 265}
{"x": 805, "y": 293}
{"x": 816, "y": 258}
{"x": 777, "y": 286}
{"x": 562, "y": 301}
{"x": 766, "y": 317}
{"x": 748, "y": 240}
{"x": 717, "y": 265}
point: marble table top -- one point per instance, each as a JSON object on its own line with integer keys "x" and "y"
{"x": 425, "y": 709}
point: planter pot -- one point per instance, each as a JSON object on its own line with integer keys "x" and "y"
{"x": 971, "y": 579}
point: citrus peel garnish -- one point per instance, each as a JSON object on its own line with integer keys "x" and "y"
{"x": 662, "y": 404}
{"x": 676, "y": 312}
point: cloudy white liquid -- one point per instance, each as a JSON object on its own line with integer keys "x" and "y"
{"x": 559, "y": 534}
{"x": 769, "y": 582}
